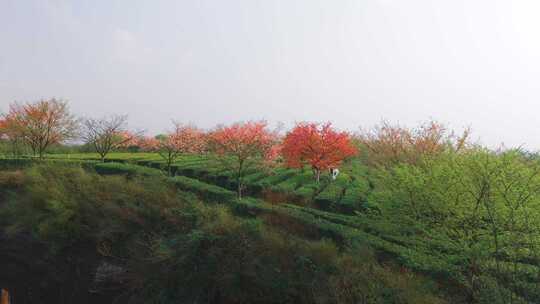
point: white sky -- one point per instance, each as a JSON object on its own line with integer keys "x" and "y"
{"x": 463, "y": 62}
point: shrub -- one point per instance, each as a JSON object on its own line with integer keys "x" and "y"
{"x": 206, "y": 191}
{"x": 128, "y": 170}
{"x": 329, "y": 197}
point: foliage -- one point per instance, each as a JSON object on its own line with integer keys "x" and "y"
{"x": 183, "y": 139}
{"x": 206, "y": 191}
{"x": 321, "y": 147}
{"x": 387, "y": 144}
{"x": 486, "y": 202}
{"x": 427, "y": 201}
{"x": 241, "y": 147}
{"x": 176, "y": 249}
{"x": 39, "y": 124}
{"x": 125, "y": 169}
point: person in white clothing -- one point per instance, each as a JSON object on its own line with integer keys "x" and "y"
{"x": 334, "y": 172}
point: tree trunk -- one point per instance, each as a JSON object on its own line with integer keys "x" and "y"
{"x": 239, "y": 179}
{"x": 169, "y": 161}
{"x": 239, "y": 190}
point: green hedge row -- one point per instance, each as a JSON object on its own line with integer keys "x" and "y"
{"x": 111, "y": 168}
{"x": 330, "y": 196}
{"x": 388, "y": 231}
{"x": 335, "y": 197}
{"x": 307, "y": 191}
{"x": 19, "y": 163}
{"x": 205, "y": 191}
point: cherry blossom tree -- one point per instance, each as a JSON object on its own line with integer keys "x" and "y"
{"x": 182, "y": 139}
{"x": 40, "y": 124}
{"x": 242, "y": 146}
{"x": 318, "y": 146}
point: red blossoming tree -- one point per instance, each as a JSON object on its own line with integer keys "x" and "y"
{"x": 182, "y": 139}
{"x": 40, "y": 124}
{"x": 318, "y": 146}
{"x": 242, "y": 146}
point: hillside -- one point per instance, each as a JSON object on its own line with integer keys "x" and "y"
{"x": 144, "y": 238}
{"x": 290, "y": 240}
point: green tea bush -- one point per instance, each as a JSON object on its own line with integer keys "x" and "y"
{"x": 307, "y": 191}
{"x": 329, "y": 197}
{"x": 419, "y": 258}
{"x": 128, "y": 170}
{"x": 205, "y": 191}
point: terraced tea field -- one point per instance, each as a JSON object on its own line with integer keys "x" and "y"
{"x": 333, "y": 209}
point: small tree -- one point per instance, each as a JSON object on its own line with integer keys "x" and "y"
{"x": 182, "y": 139}
{"x": 321, "y": 147}
{"x": 242, "y": 146}
{"x": 40, "y": 124}
{"x": 389, "y": 144}
{"x": 107, "y": 134}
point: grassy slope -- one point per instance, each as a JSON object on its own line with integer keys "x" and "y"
{"x": 419, "y": 251}
{"x": 65, "y": 206}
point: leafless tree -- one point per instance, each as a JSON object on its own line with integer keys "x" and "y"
{"x": 108, "y": 133}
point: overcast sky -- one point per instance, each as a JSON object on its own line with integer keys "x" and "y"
{"x": 463, "y": 62}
